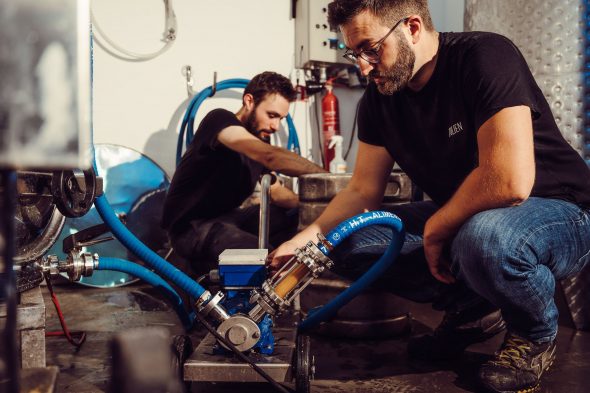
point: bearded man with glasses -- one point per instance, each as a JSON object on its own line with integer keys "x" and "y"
{"x": 509, "y": 212}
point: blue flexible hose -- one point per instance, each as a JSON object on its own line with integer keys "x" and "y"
{"x": 335, "y": 237}
{"x": 151, "y": 278}
{"x": 293, "y": 141}
{"x": 187, "y": 126}
{"x": 129, "y": 240}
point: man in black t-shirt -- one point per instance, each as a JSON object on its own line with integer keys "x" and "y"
{"x": 462, "y": 115}
{"x": 219, "y": 171}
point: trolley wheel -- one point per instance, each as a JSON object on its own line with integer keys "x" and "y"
{"x": 182, "y": 349}
{"x": 304, "y": 365}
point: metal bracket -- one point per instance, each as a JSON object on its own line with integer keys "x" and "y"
{"x": 214, "y": 85}
{"x": 187, "y": 72}
{"x": 86, "y": 237}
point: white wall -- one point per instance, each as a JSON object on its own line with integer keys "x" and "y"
{"x": 140, "y": 104}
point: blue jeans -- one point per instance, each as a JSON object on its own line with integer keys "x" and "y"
{"x": 510, "y": 257}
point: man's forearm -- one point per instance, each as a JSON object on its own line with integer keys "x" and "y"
{"x": 283, "y": 197}
{"x": 289, "y": 163}
{"x": 481, "y": 190}
{"x": 345, "y": 204}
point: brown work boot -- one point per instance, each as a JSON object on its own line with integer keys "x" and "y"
{"x": 518, "y": 366}
{"x": 456, "y": 332}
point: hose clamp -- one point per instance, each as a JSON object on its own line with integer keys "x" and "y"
{"x": 209, "y": 306}
{"x": 314, "y": 259}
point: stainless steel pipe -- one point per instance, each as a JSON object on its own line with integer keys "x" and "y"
{"x": 264, "y": 219}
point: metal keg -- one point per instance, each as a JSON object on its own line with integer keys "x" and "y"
{"x": 373, "y": 313}
{"x": 317, "y": 190}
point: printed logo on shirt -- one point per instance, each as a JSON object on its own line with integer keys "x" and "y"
{"x": 455, "y": 129}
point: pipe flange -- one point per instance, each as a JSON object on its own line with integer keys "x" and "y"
{"x": 319, "y": 256}
{"x": 273, "y": 297}
{"x": 212, "y": 308}
{"x": 79, "y": 264}
{"x": 205, "y": 296}
{"x": 50, "y": 265}
{"x": 211, "y": 304}
{"x": 241, "y": 331}
{"x": 264, "y": 304}
{"x": 314, "y": 259}
{"x": 310, "y": 263}
{"x": 88, "y": 261}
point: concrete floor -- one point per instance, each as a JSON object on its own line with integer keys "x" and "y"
{"x": 342, "y": 365}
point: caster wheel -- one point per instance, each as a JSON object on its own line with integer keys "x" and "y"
{"x": 182, "y": 348}
{"x": 304, "y": 365}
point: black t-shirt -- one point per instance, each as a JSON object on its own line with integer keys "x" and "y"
{"x": 211, "y": 179}
{"x": 432, "y": 133}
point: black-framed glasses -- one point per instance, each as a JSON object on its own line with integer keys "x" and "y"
{"x": 371, "y": 55}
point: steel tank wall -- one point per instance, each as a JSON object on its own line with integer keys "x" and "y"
{"x": 550, "y": 34}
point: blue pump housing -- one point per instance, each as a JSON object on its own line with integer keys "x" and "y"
{"x": 240, "y": 271}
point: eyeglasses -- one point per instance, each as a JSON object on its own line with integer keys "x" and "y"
{"x": 371, "y": 55}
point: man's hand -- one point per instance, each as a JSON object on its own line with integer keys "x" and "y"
{"x": 277, "y": 258}
{"x": 436, "y": 237}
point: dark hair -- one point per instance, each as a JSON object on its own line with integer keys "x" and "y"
{"x": 388, "y": 11}
{"x": 270, "y": 82}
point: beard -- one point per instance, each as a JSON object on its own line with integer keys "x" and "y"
{"x": 396, "y": 77}
{"x": 252, "y": 126}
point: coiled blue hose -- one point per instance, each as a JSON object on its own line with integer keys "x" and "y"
{"x": 151, "y": 278}
{"x": 188, "y": 122}
{"x": 335, "y": 237}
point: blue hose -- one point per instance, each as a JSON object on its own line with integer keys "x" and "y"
{"x": 187, "y": 126}
{"x": 335, "y": 237}
{"x": 129, "y": 240}
{"x": 151, "y": 278}
{"x": 293, "y": 141}
{"x": 126, "y": 237}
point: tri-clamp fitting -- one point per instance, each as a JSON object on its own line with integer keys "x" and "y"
{"x": 208, "y": 306}
{"x": 277, "y": 293}
{"x": 76, "y": 265}
{"x": 240, "y": 330}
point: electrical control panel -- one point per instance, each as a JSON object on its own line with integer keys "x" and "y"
{"x": 316, "y": 42}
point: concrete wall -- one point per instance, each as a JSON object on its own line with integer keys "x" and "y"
{"x": 140, "y": 104}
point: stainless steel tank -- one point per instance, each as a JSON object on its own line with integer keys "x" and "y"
{"x": 550, "y": 34}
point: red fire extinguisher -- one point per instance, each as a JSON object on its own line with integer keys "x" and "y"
{"x": 331, "y": 121}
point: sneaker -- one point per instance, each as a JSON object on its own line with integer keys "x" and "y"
{"x": 456, "y": 332}
{"x": 518, "y": 366}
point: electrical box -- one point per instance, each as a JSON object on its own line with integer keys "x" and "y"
{"x": 316, "y": 42}
{"x": 242, "y": 268}
{"x": 45, "y": 84}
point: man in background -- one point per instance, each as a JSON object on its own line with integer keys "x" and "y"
{"x": 219, "y": 171}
